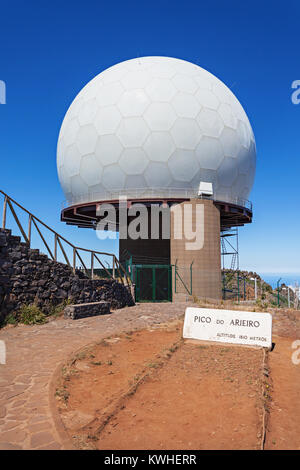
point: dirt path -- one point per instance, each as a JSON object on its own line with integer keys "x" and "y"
{"x": 284, "y": 422}
{"x": 187, "y": 396}
{"x": 34, "y": 353}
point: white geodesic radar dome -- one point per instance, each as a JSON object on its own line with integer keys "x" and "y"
{"x": 155, "y": 125}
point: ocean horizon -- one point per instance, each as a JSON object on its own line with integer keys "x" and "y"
{"x": 287, "y": 278}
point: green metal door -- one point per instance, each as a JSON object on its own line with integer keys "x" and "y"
{"x": 153, "y": 283}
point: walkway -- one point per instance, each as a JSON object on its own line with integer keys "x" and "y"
{"x": 33, "y": 355}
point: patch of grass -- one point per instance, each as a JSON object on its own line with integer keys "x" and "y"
{"x": 31, "y": 315}
{"x": 57, "y": 310}
{"x": 96, "y": 363}
{"x": 62, "y": 393}
{"x": 153, "y": 365}
{"x": 109, "y": 363}
{"x": 262, "y": 305}
{"x": 68, "y": 373}
{"x": 11, "y": 319}
{"x": 80, "y": 356}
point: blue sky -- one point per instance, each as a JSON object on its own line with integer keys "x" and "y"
{"x": 49, "y": 52}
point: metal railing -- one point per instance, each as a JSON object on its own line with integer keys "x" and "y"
{"x": 149, "y": 193}
{"x": 58, "y": 241}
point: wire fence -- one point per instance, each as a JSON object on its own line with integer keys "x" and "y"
{"x": 243, "y": 288}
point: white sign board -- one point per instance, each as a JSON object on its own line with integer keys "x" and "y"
{"x": 228, "y": 326}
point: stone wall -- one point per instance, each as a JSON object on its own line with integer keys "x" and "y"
{"x": 75, "y": 312}
{"x": 27, "y": 276}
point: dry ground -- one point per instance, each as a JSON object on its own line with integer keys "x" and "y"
{"x": 152, "y": 390}
{"x": 146, "y": 387}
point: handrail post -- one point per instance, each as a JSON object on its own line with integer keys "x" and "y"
{"x": 29, "y": 229}
{"x": 74, "y": 260}
{"x": 55, "y": 247}
{"x": 92, "y": 265}
{"x": 114, "y": 274}
{"x": 191, "y": 277}
{"x": 4, "y": 212}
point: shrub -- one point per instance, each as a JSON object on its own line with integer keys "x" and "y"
{"x": 57, "y": 310}
{"x": 11, "y": 319}
{"x": 31, "y": 315}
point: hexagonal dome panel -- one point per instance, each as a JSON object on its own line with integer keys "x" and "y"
{"x": 133, "y": 161}
{"x": 61, "y": 150}
{"x": 159, "y": 146}
{"x": 161, "y": 89}
{"x": 210, "y": 122}
{"x": 243, "y": 134}
{"x": 113, "y": 177}
{"x": 227, "y": 172}
{"x": 78, "y": 185}
{"x": 136, "y": 79}
{"x": 183, "y": 165}
{"x": 186, "y": 133}
{"x": 207, "y": 99}
{"x": 108, "y": 149}
{"x": 157, "y": 175}
{"x": 107, "y": 120}
{"x": 185, "y": 83}
{"x": 241, "y": 185}
{"x": 88, "y": 112}
{"x": 70, "y": 132}
{"x": 72, "y": 160}
{"x": 155, "y": 122}
{"x": 135, "y": 182}
{"x": 133, "y": 103}
{"x": 86, "y": 139}
{"x": 230, "y": 143}
{"x": 90, "y": 170}
{"x": 186, "y": 105}
{"x": 65, "y": 180}
{"x": 132, "y": 132}
{"x": 109, "y": 94}
{"x": 209, "y": 153}
{"x": 227, "y": 115}
{"x": 161, "y": 70}
{"x": 244, "y": 163}
{"x": 203, "y": 82}
{"x": 160, "y": 116}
